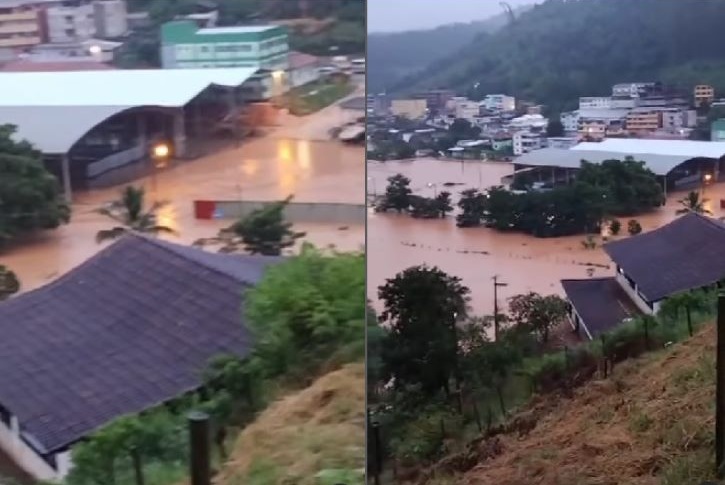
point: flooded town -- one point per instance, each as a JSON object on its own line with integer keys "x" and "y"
{"x": 545, "y": 228}
{"x": 182, "y": 184}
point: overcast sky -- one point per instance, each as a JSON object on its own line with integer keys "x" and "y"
{"x": 399, "y": 15}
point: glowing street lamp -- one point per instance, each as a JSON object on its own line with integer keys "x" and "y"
{"x": 708, "y": 177}
{"x": 160, "y": 153}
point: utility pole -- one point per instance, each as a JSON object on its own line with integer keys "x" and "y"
{"x": 496, "y": 285}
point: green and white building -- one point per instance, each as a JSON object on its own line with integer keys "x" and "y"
{"x": 186, "y": 46}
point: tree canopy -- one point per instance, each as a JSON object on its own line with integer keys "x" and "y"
{"x": 308, "y": 309}
{"x": 614, "y": 187}
{"x": 421, "y": 308}
{"x": 30, "y": 197}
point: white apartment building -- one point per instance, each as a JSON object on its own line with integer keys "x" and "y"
{"x": 111, "y": 18}
{"x": 595, "y": 102}
{"x": 500, "y": 102}
{"x": 468, "y": 110}
{"x": 633, "y": 90}
{"x": 67, "y": 24}
{"x": 529, "y": 123}
{"x": 525, "y": 142}
{"x": 570, "y": 120}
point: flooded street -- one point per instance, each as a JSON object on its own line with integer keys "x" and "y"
{"x": 268, "y": 168}
{"x": 476, "y": 255}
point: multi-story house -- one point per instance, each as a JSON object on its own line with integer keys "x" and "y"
{"x": 66, "y": 23}
{"x": 643, "y": 119}
{"x": 185, "y": 45}
{"x": 436, "y": 99}
{"x": 592, "y": 130}
{"x": 703, "y": 94}
{"x": 526, "y": 141}
{"x": 413, "y": 109}
{"x": 20, "y": 24}
{"x": 595, "y": 102}
{"x": 499, "y": 102}
{"x": 111, "y": 17}
{"x": 570, "y": 120}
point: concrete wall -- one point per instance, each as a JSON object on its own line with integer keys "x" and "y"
{"x": 635, "y": 297}
{"x": 24, "y": 456}
{"x": 297, "y": 212}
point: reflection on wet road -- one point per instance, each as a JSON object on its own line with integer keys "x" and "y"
{"x": 268, "y": 168}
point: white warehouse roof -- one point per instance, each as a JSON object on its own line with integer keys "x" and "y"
{"x": 53, "y": 110}
{"x": 680, "y": 148}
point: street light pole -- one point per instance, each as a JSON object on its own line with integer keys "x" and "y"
{"x": 435, "y": 189}
{"x": 496, "y": 285}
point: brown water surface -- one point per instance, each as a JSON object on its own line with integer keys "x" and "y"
{"x": 396, "y": 242}
{"x": 269, "y": 168}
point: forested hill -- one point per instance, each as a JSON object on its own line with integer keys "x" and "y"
{"x": 392, "y": 56}
{"x": 562, "y": 49}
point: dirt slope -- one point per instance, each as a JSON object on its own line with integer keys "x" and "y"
{"x": 652, "y": 423}
{"x": 319, "y": 428}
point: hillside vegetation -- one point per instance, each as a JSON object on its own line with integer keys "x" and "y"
{"x": 651, "y": 423}
{"x": 563, "y": 49}
{"x": 392, "y": 56}
{"x": 312, "y": 437}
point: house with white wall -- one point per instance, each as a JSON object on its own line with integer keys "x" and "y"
{"x": 682, "y": 256}
{"x": 89, "y": 348}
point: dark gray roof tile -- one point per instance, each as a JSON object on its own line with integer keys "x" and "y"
{"x": 685, "y": 254}
{"x": 130, "y": 328}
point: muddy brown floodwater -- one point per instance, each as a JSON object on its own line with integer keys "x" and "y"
{"x": 269, "y": 168}
{"x": 477, "y": 255}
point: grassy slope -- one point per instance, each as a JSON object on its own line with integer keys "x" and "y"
{"x": 319, "y": 428}
{"x": 652, "y": 423}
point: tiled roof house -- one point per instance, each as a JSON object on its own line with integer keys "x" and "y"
{"x": 129, "y": 329}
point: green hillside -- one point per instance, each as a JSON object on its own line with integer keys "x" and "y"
{"x": 392, "y": 56}
{"x": 563, "y": 49}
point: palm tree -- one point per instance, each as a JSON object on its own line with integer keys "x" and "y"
{"x": 693, "y": 203}
{"x": 128, "y": 211}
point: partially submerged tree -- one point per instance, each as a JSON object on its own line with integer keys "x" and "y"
{"x": 397, "y": 194}
{"x": 693, "y": 202}
{"x": 131, "y": 215}
{"x": 263, "y": 231}
{"x": 9, "y": 284}
{"x": 30, "y": 197}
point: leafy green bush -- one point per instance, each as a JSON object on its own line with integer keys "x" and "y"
{"x": 306, "y": 309}
{"x": 423, "y": 439}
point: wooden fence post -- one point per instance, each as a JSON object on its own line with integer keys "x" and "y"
{"x": 199, "y": 448}
{"x": 720, "y": 389}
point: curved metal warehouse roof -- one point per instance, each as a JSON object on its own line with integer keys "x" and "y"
{"x": 570, "y": 158}
{"x": 52, "y": 110}
{"x": 660, "y": 156}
